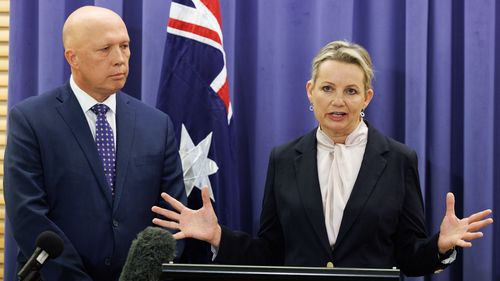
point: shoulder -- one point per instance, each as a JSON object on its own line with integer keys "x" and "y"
{"x": 142, "y": 109}
{"x": 388, "y": 145}
{"x": 51, "y": 97}
{"x": 303, "y": 144}
{"x": 40, "y": 106}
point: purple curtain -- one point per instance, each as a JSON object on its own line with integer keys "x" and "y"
{"x": 435, "y": 87}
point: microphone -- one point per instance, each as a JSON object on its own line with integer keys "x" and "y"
{"x": 48, "y": 246}
{"x": 152, "y": 247}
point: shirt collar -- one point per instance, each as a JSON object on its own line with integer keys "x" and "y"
{"x": 86, "y": 101}
{"x": 357, "y": 137}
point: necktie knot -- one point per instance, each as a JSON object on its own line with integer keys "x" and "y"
{"x": 100, "y": 109}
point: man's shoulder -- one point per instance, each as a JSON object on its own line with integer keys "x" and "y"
{"x": 141, "y": 109}
{"x": 37, "y": 102}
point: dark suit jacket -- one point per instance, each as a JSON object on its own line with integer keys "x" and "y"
{"x": 383, "y": 223}
{"x": 54, "y": 180}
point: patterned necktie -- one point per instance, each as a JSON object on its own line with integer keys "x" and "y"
{"x": 105, "y": 143}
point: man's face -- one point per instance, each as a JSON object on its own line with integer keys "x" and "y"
{"x": 102, "y": 59}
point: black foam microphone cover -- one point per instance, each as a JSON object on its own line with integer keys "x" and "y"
{"x": 152, "y": 247}
{"x": 51, "y": 243}
{"x": 48, "y": 246}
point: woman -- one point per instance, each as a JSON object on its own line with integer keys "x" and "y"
{"x": 343, "y": 194}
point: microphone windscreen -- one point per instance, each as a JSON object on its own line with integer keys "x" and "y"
{"x": 51, "y": 243}
{"x": 152, "y": 247}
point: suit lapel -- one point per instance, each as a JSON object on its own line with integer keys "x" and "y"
{"x": 372, "y": 167}
{"x": 71, "y": 111}
{"x": 125, "y": 127}
{"x": 308, "y": 184}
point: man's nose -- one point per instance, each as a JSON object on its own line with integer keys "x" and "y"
{"x": 118, "y": 56}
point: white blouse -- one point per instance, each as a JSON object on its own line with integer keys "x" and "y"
{"x": 338, "y": 168}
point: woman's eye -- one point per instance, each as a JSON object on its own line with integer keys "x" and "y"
{"x": 327, "y": 88}
{"x": 351, "y": 91}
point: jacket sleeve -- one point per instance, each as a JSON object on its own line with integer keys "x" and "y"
{"x": 416, "y": 253}
{"x": 26, "y": 200}
{"x": 267, "y": 249}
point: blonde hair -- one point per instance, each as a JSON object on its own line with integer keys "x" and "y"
{"x": 344, "y": 51}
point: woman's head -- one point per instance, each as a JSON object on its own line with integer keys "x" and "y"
{"x": 347, "y": 52}
{"x": 340, "y": 88}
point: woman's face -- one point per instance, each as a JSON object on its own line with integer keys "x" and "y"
{"x": 338, "y": 96}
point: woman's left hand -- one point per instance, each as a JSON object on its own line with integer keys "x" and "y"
{"x": 459, "y": 232}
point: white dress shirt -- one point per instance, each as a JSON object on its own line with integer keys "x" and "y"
{"x": 86, "y": 102}
{"x": 338, "y": 168}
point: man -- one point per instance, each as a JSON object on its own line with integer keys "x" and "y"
{"x": 62, "y": 171}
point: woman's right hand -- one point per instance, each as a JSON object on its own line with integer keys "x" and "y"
{"x": 199, "y": 224}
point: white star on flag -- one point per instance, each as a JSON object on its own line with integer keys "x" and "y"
{"x": 196, "y": 165}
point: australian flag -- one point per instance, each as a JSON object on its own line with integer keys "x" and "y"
{"x": 194, "y": 92}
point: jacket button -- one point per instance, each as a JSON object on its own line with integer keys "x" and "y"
{"x": 107, "y": 261}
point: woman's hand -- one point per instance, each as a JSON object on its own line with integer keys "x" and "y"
{"x": 199, "y": 224}
{"x": 459, "y": 232}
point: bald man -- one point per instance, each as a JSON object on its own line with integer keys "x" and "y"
{"x": 86, "y": 160}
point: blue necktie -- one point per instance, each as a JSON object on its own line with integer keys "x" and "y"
{"x": 105, "y": 144}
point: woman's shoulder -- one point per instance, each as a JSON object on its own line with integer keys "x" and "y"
{"x": 384, "y": 142}
{"x": 301, "y": 144}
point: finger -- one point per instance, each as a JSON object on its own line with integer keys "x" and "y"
{"x": 463, "y": 244}
{"x": 205, "y": 197}
{"x": 173, "y": 202}
{"x": 450, "y": 204}
{"x": 472, "y": 235}
{"x": 475, "y": 226}
{"x": 179, "y": 235}
{"x": 479, "y": 215}
{"x": 167, "y": 224}
{"x": 166, "y": 213}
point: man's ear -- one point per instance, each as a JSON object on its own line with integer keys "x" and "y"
{"x": 71, "y": 58}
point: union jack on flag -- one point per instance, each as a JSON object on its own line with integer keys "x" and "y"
{"x": 194, "y": 92}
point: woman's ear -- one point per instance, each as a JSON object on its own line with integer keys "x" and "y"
{"x": 368, "y": 97}
{"x": 309, "y": 88}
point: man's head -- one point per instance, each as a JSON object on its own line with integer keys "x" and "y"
{"x": 96, "y": 46}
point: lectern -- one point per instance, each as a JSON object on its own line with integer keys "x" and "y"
{"x": 210, "y": 272}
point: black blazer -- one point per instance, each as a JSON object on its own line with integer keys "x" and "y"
{"x": 383, "y": 223}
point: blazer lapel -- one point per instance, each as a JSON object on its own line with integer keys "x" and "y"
{"x": 371, "y": 168}
{"x": 308, "y": 184}
{"x": 71, "y": 111}
{"x": 125, "y": 127}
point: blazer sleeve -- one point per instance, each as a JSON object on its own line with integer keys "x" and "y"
{"x": 267, "y": 249}
{"x": 416, "y": 253}
{"x": 26, "y": 199}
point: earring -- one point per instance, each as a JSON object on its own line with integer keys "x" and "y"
{"x": 362, "y": 113}
{"x": 311, "y": 107}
